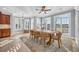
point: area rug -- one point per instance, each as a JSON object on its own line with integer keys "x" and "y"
{"x": 36, "y": 47}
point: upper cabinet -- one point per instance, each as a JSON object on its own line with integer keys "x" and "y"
{"x": 4, "y": 25}
{"x": 4, "y": 19}
{"x": 8, "y": 19}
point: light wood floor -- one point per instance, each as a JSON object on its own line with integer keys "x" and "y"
{"x": 22, "y": 43}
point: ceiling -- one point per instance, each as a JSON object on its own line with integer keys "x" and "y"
{"x": 29, "y": 11}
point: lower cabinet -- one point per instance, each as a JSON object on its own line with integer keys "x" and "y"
{"x": 0, "y": 34}
{"x": 4, "y": 33}
{"x": 4, "y": 30}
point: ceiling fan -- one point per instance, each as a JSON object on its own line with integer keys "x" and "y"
{"x": 43, "y": 9}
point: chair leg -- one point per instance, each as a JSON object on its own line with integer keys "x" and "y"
{"x": 40, "y": 41}
{"x": 49, "y": 42}
{"x": 44, "y": 42}
{"x": 37, "y": 39}
{"x": 53, "y": 40}
{"x": 59, "y": 43}
{"x": 34, "y": 39}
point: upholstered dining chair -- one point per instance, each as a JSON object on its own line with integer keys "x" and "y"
{"x": 46, "y": 38}
{"x": 57, "y": 36}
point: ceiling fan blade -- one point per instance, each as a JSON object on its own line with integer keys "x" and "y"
{"x": 43, "y": 7}
{"x": 47, "y": 10}
{"x": 39, "y": 12}
{"x": 37, "y": 9}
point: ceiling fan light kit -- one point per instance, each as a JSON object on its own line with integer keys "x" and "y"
{"x": 43, "y": 9}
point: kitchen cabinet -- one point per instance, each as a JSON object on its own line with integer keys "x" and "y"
{"x": 4, "y": 25}
{"x": 4, "y": 19}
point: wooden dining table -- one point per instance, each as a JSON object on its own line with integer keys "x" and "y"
{"x": 47, "y": 36}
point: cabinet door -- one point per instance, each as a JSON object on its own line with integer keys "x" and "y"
{"x": 0, "y": 34}
{"x": 8, "y": 32}
{"x": 5, "y": 19}
{"x": 5, "y": 32}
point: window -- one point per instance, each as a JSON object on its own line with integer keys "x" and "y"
{"x": 46, "y": 23}
{"x": 65, "y": 24}
{"x": 26, "y": 24}
{"x": 32, "y": 23}
{"x": 58, "y": 23}
{"x": 62, "y": 22}
{"x": 38, "y": 23}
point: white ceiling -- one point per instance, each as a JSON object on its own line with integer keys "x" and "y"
{"x": 29, "y": 11}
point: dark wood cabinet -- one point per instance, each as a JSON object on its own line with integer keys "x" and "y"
{"x": 4, "y": 20}
{"x": 0, "y": 33}
{"x": 5, "y": 32}
{"x": 8, "y": 19}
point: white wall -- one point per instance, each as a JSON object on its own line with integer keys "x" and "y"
{"x": 72, "y": 23}
{"x": 77, "y": 28}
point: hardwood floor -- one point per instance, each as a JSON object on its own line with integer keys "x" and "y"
{"x": 22, "y": 43}
{"x": 16, "y": 45}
